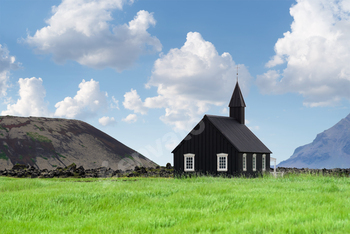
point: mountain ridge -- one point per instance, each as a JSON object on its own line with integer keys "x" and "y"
{"x": 330, "y": 149}
{"x": 53, "y": 142}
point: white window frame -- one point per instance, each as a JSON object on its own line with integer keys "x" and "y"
{"x": 244, "y": 164}
{"x": 264, "y": 162}
{"x": 254, "y": 162}
{"x": 186, "y": 156}
{"x": 222, "y": 155}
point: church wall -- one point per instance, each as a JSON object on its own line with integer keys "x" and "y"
{"x": 205, "y": 142}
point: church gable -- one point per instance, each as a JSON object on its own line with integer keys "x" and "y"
{"x": 205, "y": 142}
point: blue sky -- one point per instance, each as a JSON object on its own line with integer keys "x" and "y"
{"x": 146, "y": 71}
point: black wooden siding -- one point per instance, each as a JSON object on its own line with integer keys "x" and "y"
{"x": 205, "y": 146}
{"x": 250, "y": 163}
{"x": 206, "y": 141}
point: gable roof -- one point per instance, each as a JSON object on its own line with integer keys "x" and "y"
{"x": 238, "y": 134}
{"x": 237, "y": 98}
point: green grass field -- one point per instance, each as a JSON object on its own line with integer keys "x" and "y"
{"x": 293, "y": 204}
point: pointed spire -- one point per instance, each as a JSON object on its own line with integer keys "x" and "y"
{"x": 237, "y": 98}
{"x": 237, "y": 105}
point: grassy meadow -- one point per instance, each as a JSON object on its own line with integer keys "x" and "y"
{"x": 293, "y": 204}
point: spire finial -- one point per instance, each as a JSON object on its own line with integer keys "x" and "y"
{"x": 237, "y": 73}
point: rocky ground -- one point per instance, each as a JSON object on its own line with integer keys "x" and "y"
{"x": 23, "y": 171}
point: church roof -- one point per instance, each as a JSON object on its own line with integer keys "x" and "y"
{"x": 237, "y": 98}
{"x": 238, "y": 134}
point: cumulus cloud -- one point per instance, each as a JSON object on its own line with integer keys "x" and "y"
{"x": 31, "y": 101}
{"x": 7, "y": 63}
{"x": 80, "y": 30}
{"x": 107, "y": 121}
{"x": 132, "y": 101}
{"x": 189, "y": 80}
{"x": 316, "y": 53}
{"x": 88, "y": 101}
{"x": 132, "y": 118}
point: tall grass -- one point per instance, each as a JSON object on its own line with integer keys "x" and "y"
{"x": 293, "y": 204}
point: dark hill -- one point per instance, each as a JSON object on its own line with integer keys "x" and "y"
{"x": 51, "y": 142}
{"x": 330, "y": 149}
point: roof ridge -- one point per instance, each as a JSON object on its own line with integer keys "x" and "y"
{"x": 218, "y": 116}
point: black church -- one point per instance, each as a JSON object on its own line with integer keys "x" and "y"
{"x": 222, "y": 145}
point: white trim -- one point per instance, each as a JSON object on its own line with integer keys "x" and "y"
{"x": 274, "y": 168}
{"x": 187, "y": 156}
{"x": 254, "y": 162}
{"x": 244, "y": 162}
{"x": 222, "y": 155}
{"x": 276, "y": 174}
{"x": 263, "y": 162}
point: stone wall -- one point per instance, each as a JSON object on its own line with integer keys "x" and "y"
{"x": 23, "y": 171}
{"x": 331, "y": 172}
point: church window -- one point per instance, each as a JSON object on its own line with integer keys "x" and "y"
{"x": 264, "y": 162}
{"x": 254, "y": 162}
{"x": 222, "y": 162}
{"x": 244, "y": 162}
{"x": 189, "y": 162}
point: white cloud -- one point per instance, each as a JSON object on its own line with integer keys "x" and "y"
{"x": 80, "y": 30}
{"x": 316, "y": 52}
{"x": 7, "y": 63}
{"x": 4, "y": 77}
{"x": 88, "y": 101}
{"x": 31, "y": 101}
{"x": 224, "y": 111}
{"x": 115, "y": 103}
{"x": 107, "y": 121}
{"x": 132, "y": 101}
{"x": 191, "y": 79}
{"x": 132, "y": 118}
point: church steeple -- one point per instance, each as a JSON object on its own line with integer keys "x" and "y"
{"x": 237, "y": 105}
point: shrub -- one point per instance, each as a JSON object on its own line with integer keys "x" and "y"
{"x": 35, "y": 136}
{"x": 3, "y": 156}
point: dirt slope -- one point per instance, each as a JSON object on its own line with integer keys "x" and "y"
{"x": 52, "y": 142}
